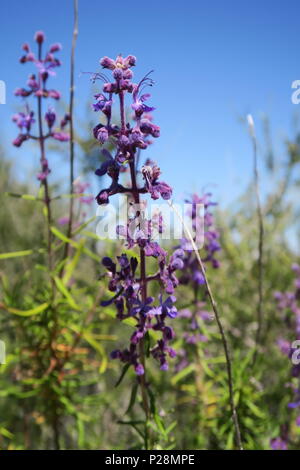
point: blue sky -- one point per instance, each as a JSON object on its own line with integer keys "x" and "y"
{"x": 213, "y": 62}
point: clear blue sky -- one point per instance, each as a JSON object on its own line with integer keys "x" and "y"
{"x": 213, "y": 62}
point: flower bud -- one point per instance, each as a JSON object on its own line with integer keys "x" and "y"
{"x": 39, "y": 37}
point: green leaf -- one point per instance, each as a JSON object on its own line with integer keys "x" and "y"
{"x": 71, "y": 196}
{"x": 63, "y": 237}
{"x": 183, "y": 373}
{"x": 85, "y": 224}
{"x": 255, "y": 410}
{"x": 4, "y": 432}
{"x": 133, "y": 424}
{"x": 80, "y": 431}
{"x": 28, "y": 197}
{"x": 132, "y": 397}
{"x": 171, "y": 427}
{"x": 26, "y": 313}
{"x": 15, "y": 254}
{"x": 70, "y": 267}
{"x": 160, "y": 425}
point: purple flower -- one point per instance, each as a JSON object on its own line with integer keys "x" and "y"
{"x": 139, "y": 369}
{"x": 278, "y": 444}
{"x": 61, "y": 136}
{"x": 102, "y": 135}
{"x": 42, "y": 176}
{"x": 147, "y": 127}
{"x": 103, "y": 104}
{"x": 63, "y": 220}
{"x": 284, "y": 346}
{"x": 155, "y": 187}
{"x": 50, "y": 117}
{"x": 138, "y": 105}
{"x": 24, "y": 120}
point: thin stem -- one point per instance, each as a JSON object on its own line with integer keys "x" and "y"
{"x": 71, "y": 112}
{"x": 260, "y": 245}
{"x": 47, "y": 201}
{"x": 136, "y": 197}
{"x": 222, "y": 332}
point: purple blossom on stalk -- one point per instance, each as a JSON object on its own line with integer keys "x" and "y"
{"x": 129, "y": 288}
{"x": 126, "y": 286}
{"x": 278, "y": 444}
{"x": 37, "y": 87}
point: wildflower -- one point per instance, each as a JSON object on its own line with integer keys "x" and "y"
{"x": 278, "y": 444}
{"x": 42, "y": 176}
{"x": 50, "y": 117}
{"x": 24, "y": 120}
{"x": 36, "y": 84}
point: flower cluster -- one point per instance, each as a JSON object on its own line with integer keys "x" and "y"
{"x": 127, "y": 298}
{"x": 130, "y": 288}
{"x": 147, "y": 315}
{"x": 211, "y": 236}
{"x": 37, "y": 87}
{"x": 126, "y": 138}
{"x": 288, "y": 304}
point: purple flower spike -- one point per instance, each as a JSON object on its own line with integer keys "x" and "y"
{"x": 127, "y": 280}
{"x": 36, "y": 87}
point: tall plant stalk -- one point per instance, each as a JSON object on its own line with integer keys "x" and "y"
{"x": 71, "y": 120}
{"x": 43, "y": 162}
{"x": 260, "y": 238}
